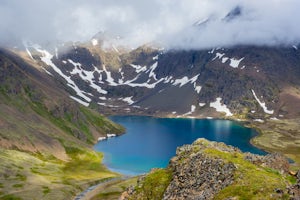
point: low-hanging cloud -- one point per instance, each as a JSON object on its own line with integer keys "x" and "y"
{"x": 171, "y": 23}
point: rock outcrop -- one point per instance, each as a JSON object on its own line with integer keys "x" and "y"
{"x": 211, "y": 170}
{"x": 196, "y": 174}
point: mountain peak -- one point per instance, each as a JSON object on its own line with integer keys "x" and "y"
{"x": 233, "y": 14}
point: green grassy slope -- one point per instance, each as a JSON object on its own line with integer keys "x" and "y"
{"x": 45, "y": 137}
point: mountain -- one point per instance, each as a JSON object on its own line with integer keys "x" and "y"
{"x": 153, "y": 81}
{"x": 234, "y": 13}
{"x": 259, "y": 86}
{"x": 210, "y": 170}
{"x": 45, "y": 137}
{"x": 42, "y": 88}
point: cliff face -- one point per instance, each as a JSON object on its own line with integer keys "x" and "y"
{"x": 210, "y": 170}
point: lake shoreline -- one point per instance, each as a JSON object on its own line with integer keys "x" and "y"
{"x": 247, "y": 123}
{"x": 213, "y": 133}
{"x": 262, "y": 128}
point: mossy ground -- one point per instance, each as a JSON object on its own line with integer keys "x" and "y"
{"x": 251, "y": 181}
{"x": 34, "y": 176}
{"x": 280, "y": 136}
{"x": 153, "y": 185}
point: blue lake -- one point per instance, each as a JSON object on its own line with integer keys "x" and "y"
{"x": 151, "y": 142}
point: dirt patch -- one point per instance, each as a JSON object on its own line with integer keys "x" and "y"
{"x": 289, "y": 102}
{"x": 280, "y": 136}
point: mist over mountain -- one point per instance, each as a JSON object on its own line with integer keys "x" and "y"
{"x": 171, "y": 24}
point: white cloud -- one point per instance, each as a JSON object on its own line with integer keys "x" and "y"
{"x": 168, "y": 22}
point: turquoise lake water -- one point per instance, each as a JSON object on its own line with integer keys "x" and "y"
{"x": 151, "y": 142}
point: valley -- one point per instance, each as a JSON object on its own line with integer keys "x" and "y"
{"x": 136, "y": 100}
{"x": 244, "y": 84}
{"x": 51, "y": 102}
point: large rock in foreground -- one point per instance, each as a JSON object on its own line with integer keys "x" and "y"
{"x": 198, "y": 174}
{"x": 211, "y": 170}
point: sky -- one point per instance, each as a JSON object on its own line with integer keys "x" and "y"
{"x": 168, "y": 23}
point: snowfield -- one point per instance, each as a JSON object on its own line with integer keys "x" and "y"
{"x": 262, "y": 104}
{"x": 220, "y": 107}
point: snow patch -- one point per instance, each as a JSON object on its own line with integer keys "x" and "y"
{"x": 101, "y": 138}
{"x": 194, "y": 79}
{"x": 47, "y": 59}
{"x": 262, "y": 104}
{"x": 259, "y": 120}
{"x": 212, "y": 51}
{"x": 167, "y": 79}
{"x": 152, "y": 68}
{"x": 28, "y": 52}
{"x": 138, "y": 68}
{"x": 94, "y": 42}
{"x": 197, "y": 88}
{"x": 193, "y": 108}
{"x": 80, "y": 101}
{"x": 109, "y": 78}
{"x": 224, "y": 59}
{"x": 295, "y": 47}
{"x": 128, "y": 100}
{"x": 184, "y": 80}
{"x": 202, "y": 104}
{"x": 235, "y": 63}
{"x": 220, "y": 107}
{"x": 147, "y": 84}
{"x": 76, "y": 64}
{"x": 219, "y": 56}
{"x": 87, "y": 76}
{"x": 47, "y": 71}
{"x": 110, "y": 135}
